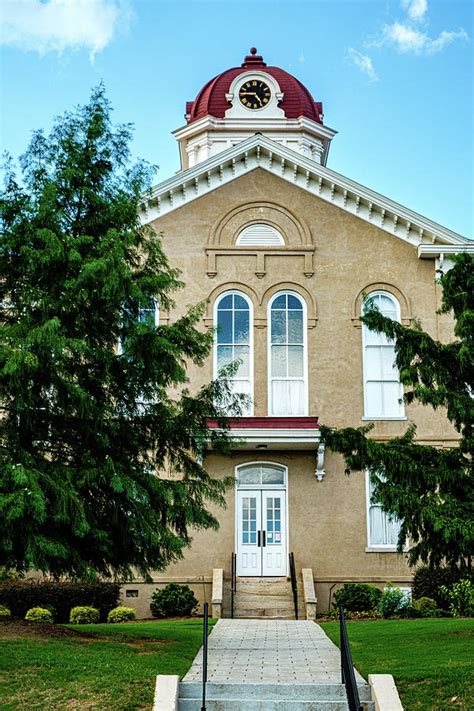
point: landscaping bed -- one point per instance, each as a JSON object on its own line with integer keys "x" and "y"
{"x": 431, "y": 659}
{"x": 91, "y": 667}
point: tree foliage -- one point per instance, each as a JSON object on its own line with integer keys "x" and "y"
{"x": 85, "y": 426}
{"x": 430, "y": 489}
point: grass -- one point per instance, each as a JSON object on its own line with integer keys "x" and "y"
{"x": 431, "y": 660}
{"x": 91, "y": 667}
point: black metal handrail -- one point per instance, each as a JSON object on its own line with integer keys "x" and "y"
{"x": 205, "y": 626}
{"x": 233, "y": 572}
{"x": 347, "y": 667}
{"x": 294, "y": 584}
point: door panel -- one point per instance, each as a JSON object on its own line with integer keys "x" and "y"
{"x": 249, "y": 516}
{"x": 261, "y": 532}
{"x": 274, "y": 524}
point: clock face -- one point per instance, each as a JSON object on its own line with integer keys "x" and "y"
{"x": 254, "y": 94}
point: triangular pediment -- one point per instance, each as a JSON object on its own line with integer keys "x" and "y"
{"x": 261, "y": 152}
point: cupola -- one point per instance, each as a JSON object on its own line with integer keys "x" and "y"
{"x": 253, "y": 98}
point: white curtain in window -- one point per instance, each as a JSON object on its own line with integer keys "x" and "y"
{"x": 383, "y": 391}
{"x": 234, "y": 341}
{"x": 287, "y": 362}
{"x": 383, "y": 528}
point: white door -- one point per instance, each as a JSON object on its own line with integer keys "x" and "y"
{"x": 261, "y": 532}
{"x": 274, "y": 532}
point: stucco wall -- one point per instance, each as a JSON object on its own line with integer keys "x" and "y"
{"x": 327, "y": 520}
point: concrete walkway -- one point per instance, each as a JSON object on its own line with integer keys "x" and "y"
{"x": 272, "y": 651}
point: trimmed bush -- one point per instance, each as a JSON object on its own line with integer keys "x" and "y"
{"x": 173, "y": 600}
{"x": 121, "y": 614}
{"x": 392, "y": 602}
{"x": 460, "y": 597}
{"x": 39, "y": 614}
{"x": 20, "y": 595}
{"x": 358, "y": 597}
{"x": 5, "y": 613}
{"x": 426, "y": 606}
{"x": 84, "y": 615}
{"x": 427, "y": 583}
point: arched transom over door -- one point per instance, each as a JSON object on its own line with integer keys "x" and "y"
{"x": 261, "y": 518}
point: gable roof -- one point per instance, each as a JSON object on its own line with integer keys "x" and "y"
{"x": 261, "y": 152}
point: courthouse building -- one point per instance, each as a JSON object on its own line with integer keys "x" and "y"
{"x": 284, "y": 250}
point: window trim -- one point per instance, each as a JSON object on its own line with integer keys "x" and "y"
{"x": 249, "y": 303}
{"x": 366, "y": 415}
{"x": 302, "y": 300}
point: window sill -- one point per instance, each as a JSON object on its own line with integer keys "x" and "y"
{"x": 383, "y": 549}
{"x": 384, "y": 419}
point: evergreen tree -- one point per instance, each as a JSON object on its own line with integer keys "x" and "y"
{"x": 430, "y": 489}
{"x": 85, "y": 425}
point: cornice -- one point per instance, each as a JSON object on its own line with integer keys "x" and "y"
{"x": 261, "y": 152}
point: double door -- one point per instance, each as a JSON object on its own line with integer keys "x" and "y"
{"x": 261, "y": 532}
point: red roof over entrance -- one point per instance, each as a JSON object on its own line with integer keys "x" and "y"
{"x": 272, "y": 423}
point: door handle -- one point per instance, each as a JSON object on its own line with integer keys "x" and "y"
{"x": 258, "y": 539}
{"x": 264, "y": 539}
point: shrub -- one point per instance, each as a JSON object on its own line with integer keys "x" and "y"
{"x": 427, "y": 583}
{"x": 173, "y": 600}
{"x": 121, "y": 614}
{"x": 460, "y": 597}
{"x": 358, "y": 597}
{"x": 84, "y": 615}
{"x": 426, "y": 606}
{"x": 20, "y": 595}
{"x": 39, "y": 614}
{"x": 5, "y": 613}
{"x": 392, "y": 602}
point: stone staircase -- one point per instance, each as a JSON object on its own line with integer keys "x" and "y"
{"x": 265, "y": 598}
{"x": 269, "y": 697}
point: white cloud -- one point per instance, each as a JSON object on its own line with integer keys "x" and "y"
{"x": 57, "y": 25}
{"x": 407, "y": 39}
{"x": 363, "y": 62}
{"x": 416, "y": 8}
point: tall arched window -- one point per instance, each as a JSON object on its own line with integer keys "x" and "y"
{"x": 233, "y": 319}
{"x": 287, "y": 365}
{"x": 382, "y": 388}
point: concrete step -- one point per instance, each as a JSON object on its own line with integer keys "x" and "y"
{"x": 269, "y": 697}
{"x": 276, "y": 613}
{"x": 264, "y": 690}
{"x": 244, "y": 704}
{"x": 243, "y": 600}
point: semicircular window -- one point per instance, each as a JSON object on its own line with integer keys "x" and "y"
{"x": 260, "y": 235}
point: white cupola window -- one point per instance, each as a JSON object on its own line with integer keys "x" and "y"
{"x": 259, "y": 235}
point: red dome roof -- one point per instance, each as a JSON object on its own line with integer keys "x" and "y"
{"x": 297, "y": 101}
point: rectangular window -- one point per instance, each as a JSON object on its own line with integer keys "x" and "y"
{"x": 383, "y": 530}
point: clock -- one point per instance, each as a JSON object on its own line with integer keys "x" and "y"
{"x": 254, "y": 94}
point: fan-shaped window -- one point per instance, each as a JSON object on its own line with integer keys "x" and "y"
{"x": 382, "y": 389}
{"x": 233, "y": 318}
{"x": 287, "y": 357}
{"x": 260, "y": 236}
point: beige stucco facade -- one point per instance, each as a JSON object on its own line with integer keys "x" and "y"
{"x": 330, "y": 258}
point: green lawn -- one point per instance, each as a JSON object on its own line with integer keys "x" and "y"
{"x": 106, "y": 667}
{"x": 431, "y": 660}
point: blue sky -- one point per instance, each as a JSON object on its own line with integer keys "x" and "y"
{"x": 395, "y": 77}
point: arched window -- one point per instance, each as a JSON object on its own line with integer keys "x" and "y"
{"x": 382, "y": 389}
{"x": 259, "y": 235}
{"x": 233, "y": 319}
{"x": 287, "y": 365}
